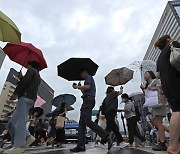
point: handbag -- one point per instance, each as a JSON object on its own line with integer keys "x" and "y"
{"x": 162, "y": 98}
{"x": 175, "y": 57}
{"x": 151, "y": 99}
{"x": 155, "y": 98}
{"x": 60, "y": 122}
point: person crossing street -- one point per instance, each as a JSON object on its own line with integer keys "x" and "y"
{"x": 89, "y": 93}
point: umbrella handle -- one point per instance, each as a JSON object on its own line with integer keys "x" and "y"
{"x": 141, "y": 68}
{"x": 21, "y": 69}
{"x": 25, "y": 60}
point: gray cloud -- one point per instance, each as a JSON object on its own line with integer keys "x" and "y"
{"x": 112, "y": 33}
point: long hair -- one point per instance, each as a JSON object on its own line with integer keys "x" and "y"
{"x": 153, "y": 76}
{"x": 161, "y": 43}
{"x": 62, "y": 108}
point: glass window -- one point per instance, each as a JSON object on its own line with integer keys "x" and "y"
{"x": 177, "y": 8}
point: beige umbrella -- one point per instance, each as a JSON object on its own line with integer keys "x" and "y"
{"x": 119, "y": 76}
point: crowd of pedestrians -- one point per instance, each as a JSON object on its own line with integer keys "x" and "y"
{"x": 161, "y": 119}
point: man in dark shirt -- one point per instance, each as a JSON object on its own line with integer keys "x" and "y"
{"x": 26, "y": 92}
{"x": 89, "y": 93}
{"x": 109, "y": 109}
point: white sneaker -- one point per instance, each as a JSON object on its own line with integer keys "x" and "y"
{"x": 14, "y": 151}
{"x": 123, "y": 145}
{"x": 30, "y": 139}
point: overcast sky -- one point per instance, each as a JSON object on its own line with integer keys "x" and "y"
{"x": 113, "y": 33}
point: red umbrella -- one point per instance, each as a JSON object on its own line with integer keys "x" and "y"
{"x": 22, "y": 53}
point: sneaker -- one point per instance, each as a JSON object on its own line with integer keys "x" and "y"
{"x": 123, "y": 145}
{"x": 15, "y": 151}
{"x": 110, "y": 140}
{"x": 30, "y": 139}
{"x": 78, "y": 149}
{"x": 143, "y": 144}
{"x": 160, "y": 147}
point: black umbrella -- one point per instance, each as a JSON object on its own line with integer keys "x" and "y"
{"x": 70, "y": 69}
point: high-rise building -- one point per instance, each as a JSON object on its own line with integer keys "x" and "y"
{"x": 2, "y": 56}
{"x": 169, "y": 24}
{"x": 44, "y": 91}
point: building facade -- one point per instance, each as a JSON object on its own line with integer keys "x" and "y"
{"x": 2, "y": 57}
{"x": 44, "y": 91}
{"x": 169, "y": 24}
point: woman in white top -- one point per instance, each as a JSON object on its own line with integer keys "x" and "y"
{"x": 158, "y": 112}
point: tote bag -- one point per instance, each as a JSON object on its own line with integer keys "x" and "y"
{"x": 60, "y": 122}
{"x": 155, "y": 98}
{"x": 151, "y": 99}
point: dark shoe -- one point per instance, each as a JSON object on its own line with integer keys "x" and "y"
{"x": 160, "y": 147}
{"x": 110, "y": 140}
{"x": 78, "y": 149}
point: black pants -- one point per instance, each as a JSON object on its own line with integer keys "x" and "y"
{"x": 112, "y": 126}
{"x": 39, "y": 134}
{"x": 133, "y": 131}
{"x": 60, "y": 135}
{"x": 85, "y": 120}
{"x": 32, "y": 130}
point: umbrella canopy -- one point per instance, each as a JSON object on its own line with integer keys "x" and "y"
{"x": 8, "y": 30}
{"x": 38, "y": 110}
{"x": 39, "y": 102}
{"x": 55, "y": 112}
{"x": 119, "y": 76}
{"x": 68, "y": 99}
{"x": 70, "y": 69}
{"x": 22, "y": 53}
{"x": 136, "y": 96}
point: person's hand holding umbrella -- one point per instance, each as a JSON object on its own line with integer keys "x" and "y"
{"x": 13, "y": 97}
{"x": 82, "y": 88}
{"x": 9, "y": 102}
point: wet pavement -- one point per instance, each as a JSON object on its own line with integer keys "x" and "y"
{"x": 91, "y": 150}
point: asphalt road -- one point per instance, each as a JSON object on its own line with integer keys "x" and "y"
{"x": 90, "y": 150}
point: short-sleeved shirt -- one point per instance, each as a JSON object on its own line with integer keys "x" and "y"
{"x": 130, "y": 110}
{"x": 92, "y": 91}
{"x": 111, "y": 102}
{"x": 154, "y": 82}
